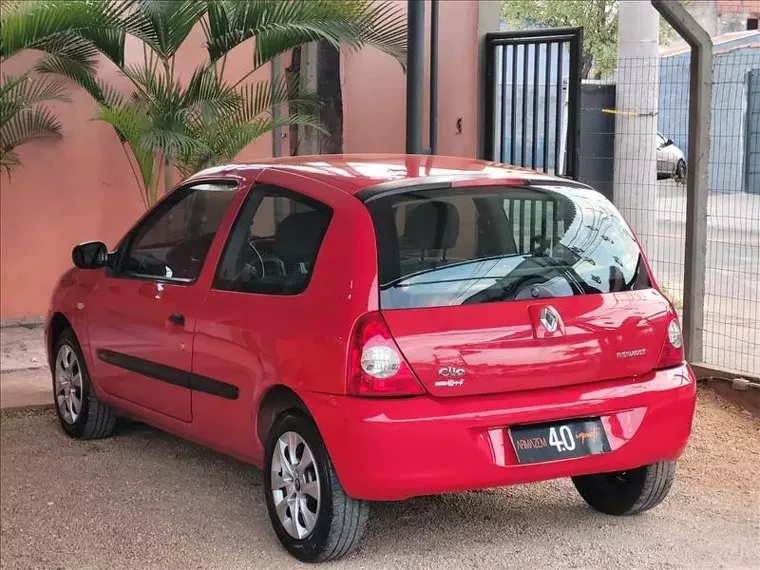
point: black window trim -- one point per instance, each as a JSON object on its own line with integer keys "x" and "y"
{"x": 256, "y": 194}
{"x": 115, "y": 269}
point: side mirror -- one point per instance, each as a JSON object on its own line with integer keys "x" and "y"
{"x": 669, "y": 142}
{"x": 90, "y": 255}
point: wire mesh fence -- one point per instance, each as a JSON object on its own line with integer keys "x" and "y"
{"x": 634, "y": 141}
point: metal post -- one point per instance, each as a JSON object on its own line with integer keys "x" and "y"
{"x": 415, "y": 39}
{"x": 574, "y": 105}
{"x": 700, "y": 101}
{"x": 434, "y": 76}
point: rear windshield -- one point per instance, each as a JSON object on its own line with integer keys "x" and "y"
{"x": 459, "y": 246}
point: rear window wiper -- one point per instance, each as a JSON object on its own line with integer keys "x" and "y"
{"x": 400, "y": 280}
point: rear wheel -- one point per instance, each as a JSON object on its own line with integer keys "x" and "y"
{"x": 80, "y": 412}
{"x": 311, "y": 514}
{"x": 680, "y": 173}
{"x": 627, "y": 492}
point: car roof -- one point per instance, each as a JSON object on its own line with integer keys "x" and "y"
{"x": 353, "y": 173}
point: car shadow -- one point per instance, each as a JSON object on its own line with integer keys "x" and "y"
{"x": 519, "y": 513}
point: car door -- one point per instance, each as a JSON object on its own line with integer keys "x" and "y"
{"x": 141, "y": 314}
{"x": 257, "y": 325}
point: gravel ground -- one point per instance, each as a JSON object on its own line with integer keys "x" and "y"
{"x": 144, "y": 500}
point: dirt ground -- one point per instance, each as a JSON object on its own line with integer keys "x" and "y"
{"x": 145, "y": 500}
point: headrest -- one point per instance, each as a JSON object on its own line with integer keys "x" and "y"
{"x": 299, "y": 235}
{"x": 432, "y": 225}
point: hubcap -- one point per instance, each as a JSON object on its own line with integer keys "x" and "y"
{"x": 295, "y": 485}
{"x": 68, "y": 384}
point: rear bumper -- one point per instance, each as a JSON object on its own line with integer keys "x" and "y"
{"x": 400, "y": 448}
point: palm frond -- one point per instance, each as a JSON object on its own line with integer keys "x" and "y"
{"x": 222, "y": 141}
{"x": 164, "y": 25}
{"x": 131, "y": 125}
{"x": 208, "y": 95}
{"x": 83, "y": 75}
{"x": 170, "y": 142}
{"x": 281, "y": 26}
{"x": 27, "y": 125}
{"x": 32, "y": 25}
{"x": 9, "y": 160}
{"x": 24, "y": 92}
{"x": 260, "y": 97}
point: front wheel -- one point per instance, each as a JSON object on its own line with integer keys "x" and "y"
{"x": 81, "y": 414}
{"x": 627, "y": 492}
{"x": 311, "y": 514}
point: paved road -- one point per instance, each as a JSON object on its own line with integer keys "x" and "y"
{"x": 145, "y": 500}
{"x": 732, "y": 279}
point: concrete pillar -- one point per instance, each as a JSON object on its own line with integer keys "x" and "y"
{"x": 635, "y": 176}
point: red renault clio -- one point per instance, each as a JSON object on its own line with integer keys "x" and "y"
{"x": 373, "y": 328}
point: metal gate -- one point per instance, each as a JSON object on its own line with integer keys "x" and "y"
{"x": 533, "y": 99}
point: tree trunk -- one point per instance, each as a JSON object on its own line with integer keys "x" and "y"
{"x": 330, "y": 94}
{"x": 293, "y": 87}
{"x": 588, "y": 61}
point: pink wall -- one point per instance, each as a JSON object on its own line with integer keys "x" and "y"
{"x": 81, "y": 187}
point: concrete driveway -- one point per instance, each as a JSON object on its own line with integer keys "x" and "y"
{"x": 145, "y": 500}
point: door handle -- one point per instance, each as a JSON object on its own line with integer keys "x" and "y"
{"x": 177, "y": 319}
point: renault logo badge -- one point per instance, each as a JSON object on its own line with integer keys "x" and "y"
{"x": 549, "y": 319}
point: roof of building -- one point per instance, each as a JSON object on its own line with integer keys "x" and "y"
{"x": 749, "y": 37}
{"x": 353, "y": 173}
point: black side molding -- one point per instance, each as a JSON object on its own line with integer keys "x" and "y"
{"x": 170, "y": 375}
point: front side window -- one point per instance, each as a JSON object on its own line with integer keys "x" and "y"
{"x": 461, "y": 246}
{"x": 173, "y": 241}
{"x": 274, "y": 243}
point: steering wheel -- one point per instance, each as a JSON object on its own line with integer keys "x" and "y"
{"x": 149, "y": 264}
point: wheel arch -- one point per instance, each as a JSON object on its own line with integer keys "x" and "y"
{"x": 58, "y": 324}
{"x": 276, "y": 400}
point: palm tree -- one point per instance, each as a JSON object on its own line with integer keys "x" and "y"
{"x": 166, "y": 124}
{"x": 68, "y": 34}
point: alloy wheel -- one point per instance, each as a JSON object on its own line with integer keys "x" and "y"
{"x": 295, "y": 485}
{"x": 68, "y": 384}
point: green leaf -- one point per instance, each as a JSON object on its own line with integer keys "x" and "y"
{"x": 22, "y": 116}
{"x": 599, "y": 19}
{"x": 208, "y": 95}
{"x": 83, "y": 75}
{"x": 132, "y": 124}
{"x": 34, "y": 25}
{"x": 223, "y": 141}
{"x": 281, "y": 26}
{"x": 260, "y": 97}
{"x": 164, "y": 24}
{"x": 28, "y": 125}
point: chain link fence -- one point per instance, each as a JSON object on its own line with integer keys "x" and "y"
{"x": 634, "y": 143}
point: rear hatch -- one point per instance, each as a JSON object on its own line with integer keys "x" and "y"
{"x": 497, "y": 289}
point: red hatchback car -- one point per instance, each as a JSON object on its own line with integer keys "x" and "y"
{"x": 372, "y": 328}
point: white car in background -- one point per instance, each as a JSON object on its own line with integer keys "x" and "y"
{"x": 671, "y": 162}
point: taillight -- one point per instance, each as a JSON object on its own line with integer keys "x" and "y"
{"x": 672, "y": 350}
{"x": 376, "y": 366}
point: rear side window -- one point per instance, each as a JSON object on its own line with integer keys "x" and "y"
{"x": 274, "y": 243}
{"x": 461, "y": 246}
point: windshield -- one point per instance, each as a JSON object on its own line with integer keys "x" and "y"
{"x": 461, "y": 246}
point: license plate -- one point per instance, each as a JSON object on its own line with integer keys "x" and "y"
{"x": 536, "y": 443}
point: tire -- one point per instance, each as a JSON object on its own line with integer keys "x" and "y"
{"x": 337, "y": 521}
{"x": 680, "y": 172}
{"x": 94, "y": 419}
{"x": 627, "y": 492}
